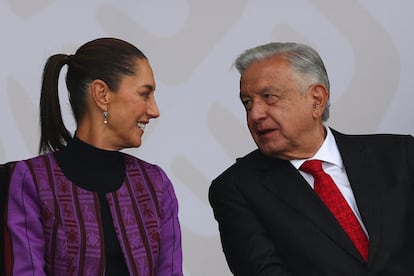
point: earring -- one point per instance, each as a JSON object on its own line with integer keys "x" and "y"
{"x": 105, "y": 114}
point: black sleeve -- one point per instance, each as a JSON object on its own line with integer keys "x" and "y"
{"x": 247, "y": 246}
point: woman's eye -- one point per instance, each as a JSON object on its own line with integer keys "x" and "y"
{"x": 145, "y": 94}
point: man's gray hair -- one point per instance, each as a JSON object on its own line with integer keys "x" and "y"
{"x": 302, "y": 58}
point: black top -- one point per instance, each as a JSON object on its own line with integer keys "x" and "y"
{"x": 100, "y": 171}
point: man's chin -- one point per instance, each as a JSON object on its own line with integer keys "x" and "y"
{"x": 273, "y": 152}
{"x": 268, "y": 151}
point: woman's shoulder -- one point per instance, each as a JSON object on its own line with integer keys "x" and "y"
{"x": 42, "y": 158}
{"x": 133, "y": 162}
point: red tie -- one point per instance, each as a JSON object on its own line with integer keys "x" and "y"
{"x": 329, "y": 193}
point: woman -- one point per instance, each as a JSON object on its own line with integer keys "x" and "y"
{"x": 85, "y": 208}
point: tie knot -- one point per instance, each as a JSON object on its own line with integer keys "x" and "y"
{"x": 312, "y": 167}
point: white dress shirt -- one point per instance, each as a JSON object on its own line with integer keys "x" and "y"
{"x": 332, "y": 164}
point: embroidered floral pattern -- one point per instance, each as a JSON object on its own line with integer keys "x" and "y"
{"x": 72, "y": 222}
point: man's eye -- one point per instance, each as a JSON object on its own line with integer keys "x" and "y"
{"x": 246, "y": 102}
{"x": 270, "y": 98}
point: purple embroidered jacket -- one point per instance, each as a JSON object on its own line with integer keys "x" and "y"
{"x": 54, "y": 227}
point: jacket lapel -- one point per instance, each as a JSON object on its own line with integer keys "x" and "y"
{"x": 358, "y": 164}
{"x": 286, "y": 183}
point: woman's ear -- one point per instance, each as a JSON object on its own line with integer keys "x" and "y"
{"x": 320, "y": 97}
{"x": 100, "y": 93}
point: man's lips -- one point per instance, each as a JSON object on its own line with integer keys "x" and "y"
{"x": 264, "y": 131}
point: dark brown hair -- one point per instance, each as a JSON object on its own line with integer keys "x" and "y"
{"x": 107, "y": 59}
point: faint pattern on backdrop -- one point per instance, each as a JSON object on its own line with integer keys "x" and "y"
{"x": 191, "y": 44}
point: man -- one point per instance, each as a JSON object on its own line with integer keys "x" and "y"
{"x": 274, "y": 213}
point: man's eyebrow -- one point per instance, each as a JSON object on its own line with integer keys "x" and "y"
{"x": 267, "y": 89}
{"x": 261, "y": 91}
{"x": 243, "y": 94}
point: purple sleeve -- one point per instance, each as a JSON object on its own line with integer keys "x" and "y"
{"x": 25, "y": 224}
{"x": 170, "y": 258}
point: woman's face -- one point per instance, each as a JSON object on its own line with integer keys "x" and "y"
{"x": 131, "y": 107}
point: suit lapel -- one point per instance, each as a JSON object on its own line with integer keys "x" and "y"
{"x": 286, "y": 183}
{"x": 358, "y": 164}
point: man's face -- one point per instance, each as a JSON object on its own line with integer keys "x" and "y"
{"x": 279, "y": 117}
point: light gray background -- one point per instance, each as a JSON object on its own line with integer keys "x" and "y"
{"x": 367, "y": 47}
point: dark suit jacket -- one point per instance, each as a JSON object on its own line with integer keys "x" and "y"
{"x": 272, "y": 223}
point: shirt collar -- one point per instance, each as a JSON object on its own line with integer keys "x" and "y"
{"x": 328, "y": 152}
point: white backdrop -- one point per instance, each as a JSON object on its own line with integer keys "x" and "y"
{"x": 367, "y": 47}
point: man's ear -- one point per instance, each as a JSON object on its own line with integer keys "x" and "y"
{"x": 100, "y": 93}
{"x": 320, "y": 97}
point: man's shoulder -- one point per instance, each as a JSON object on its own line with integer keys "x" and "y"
{"x": 371, "y": 138}
{"x": 248, "y": 164}
{"x": 380, "y": 145}
{"x": 249, "y": 158}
